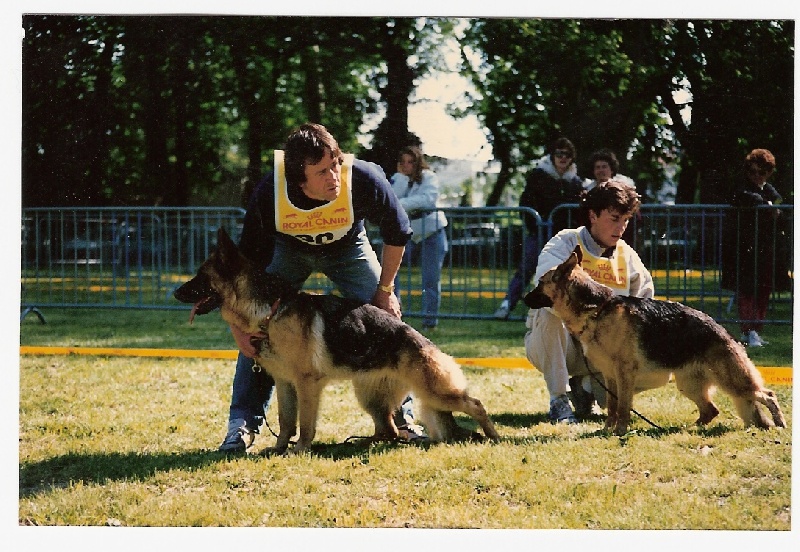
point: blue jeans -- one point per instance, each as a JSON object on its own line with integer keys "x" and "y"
{"x": 355, "y": 270}
{"x": 527, "y": 268}
{"x": 430, "y": 252}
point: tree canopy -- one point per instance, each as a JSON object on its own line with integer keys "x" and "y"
{"x": 185, "y": 110}
{"x": 619, "y": 83}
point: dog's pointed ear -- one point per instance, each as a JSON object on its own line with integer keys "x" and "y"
{"x": 562, "y": 270}
{"x": 578, "y": 252}
{"x": 227, "y": 256}
{"x": 224, "y": 241}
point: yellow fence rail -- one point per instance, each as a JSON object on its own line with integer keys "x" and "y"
{"x": 772, "y": 374}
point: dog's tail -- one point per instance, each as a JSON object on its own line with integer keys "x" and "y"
{"x": 749, "y": 391}
{"x": 767, "y": 398}
{"x": 444, "y": 391}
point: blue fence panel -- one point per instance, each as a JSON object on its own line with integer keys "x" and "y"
{"x": 135, "y": 257}
{"x": 115, "y": 257}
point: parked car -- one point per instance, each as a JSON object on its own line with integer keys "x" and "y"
{"x": 118, "y": 243}
{"x": 87, "y": 241}
{"x": 676, "y": 244}
{"x": 475, "y": 244}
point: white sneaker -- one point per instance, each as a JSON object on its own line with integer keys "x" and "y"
{"x": 412, "y": 432}
{"x": 754, "y": 340}
{"x": 502, "y": 311}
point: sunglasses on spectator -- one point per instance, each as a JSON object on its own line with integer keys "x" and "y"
{"x": 562, "y": 153}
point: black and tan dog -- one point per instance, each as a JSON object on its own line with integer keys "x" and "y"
{"x": 629, "y": 338}
{"x": 308, "y": 340}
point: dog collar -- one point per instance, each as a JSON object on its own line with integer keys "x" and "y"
{"x": 594, "y": 314}
{"x": 264, "y": 326}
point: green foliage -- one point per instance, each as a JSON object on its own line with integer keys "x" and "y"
{"x": 179, "y": 110}
{"x": 741, "y": 75}
{"x": 610, "y": 83}
{"x": 568, "y": 77}
{"x": 118, "y": 114}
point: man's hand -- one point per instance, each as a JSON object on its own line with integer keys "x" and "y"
{"x": 388, "y": 302}
{"x": 243, "y": 341}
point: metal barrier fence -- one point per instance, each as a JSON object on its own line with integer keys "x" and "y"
{"x": 115, "y": 257}
{"x": 684, "y": 247}
{"x": 136, "y": 257}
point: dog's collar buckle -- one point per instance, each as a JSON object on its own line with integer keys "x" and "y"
{"x": 274, "y": 308}
{"x": 272, "y": 312}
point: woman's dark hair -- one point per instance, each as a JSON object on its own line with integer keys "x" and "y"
{"x": 563, "y": 144}
{"x": 606, "y": 155}
{"x": 613, "y": 195}
{"x": 419, "y": 162}
{"x": 307, "y": 146}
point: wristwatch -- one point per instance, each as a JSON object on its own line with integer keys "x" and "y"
{"x": 387, "y": 289}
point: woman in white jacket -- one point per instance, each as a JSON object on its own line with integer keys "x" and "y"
{"x": 417, "y": 187}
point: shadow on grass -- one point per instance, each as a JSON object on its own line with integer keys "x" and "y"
{"x": 520, "y": 419}
{"x": 662, "y": 431}
{"x": 69, "y": 469}
{"x": 100, "y": 468}
{"x": 62, "y": 471}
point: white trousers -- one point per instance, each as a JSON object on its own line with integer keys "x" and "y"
{"x": 553, "y": 351}
{"x": 559, "y": 356}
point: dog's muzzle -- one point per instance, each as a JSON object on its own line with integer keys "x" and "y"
{"x": 537, "y": 300}
{"x": 205, "y": 305}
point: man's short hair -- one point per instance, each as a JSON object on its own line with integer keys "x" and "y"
{"x": 307, "y": 146}
{"x": 613, "y": 195}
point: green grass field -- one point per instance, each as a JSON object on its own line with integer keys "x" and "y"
{"x": 466, "y": 292}
{"x": 125, "y": 441}
{"x": 169, "y": 329}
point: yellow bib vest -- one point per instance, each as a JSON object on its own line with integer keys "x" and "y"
{"x": 320, "y": 225}
{"x": 611, "y": 272}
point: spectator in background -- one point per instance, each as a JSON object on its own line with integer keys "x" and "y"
{"x": 417, "y": 187}
{"x": 750, "y": 266}
{"x": 604, "y": 166}
{"x": 552, "y": 182}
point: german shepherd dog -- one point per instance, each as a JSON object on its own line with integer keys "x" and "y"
{"x": 630, "y": 339}
{"x": 307, "y": 340}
